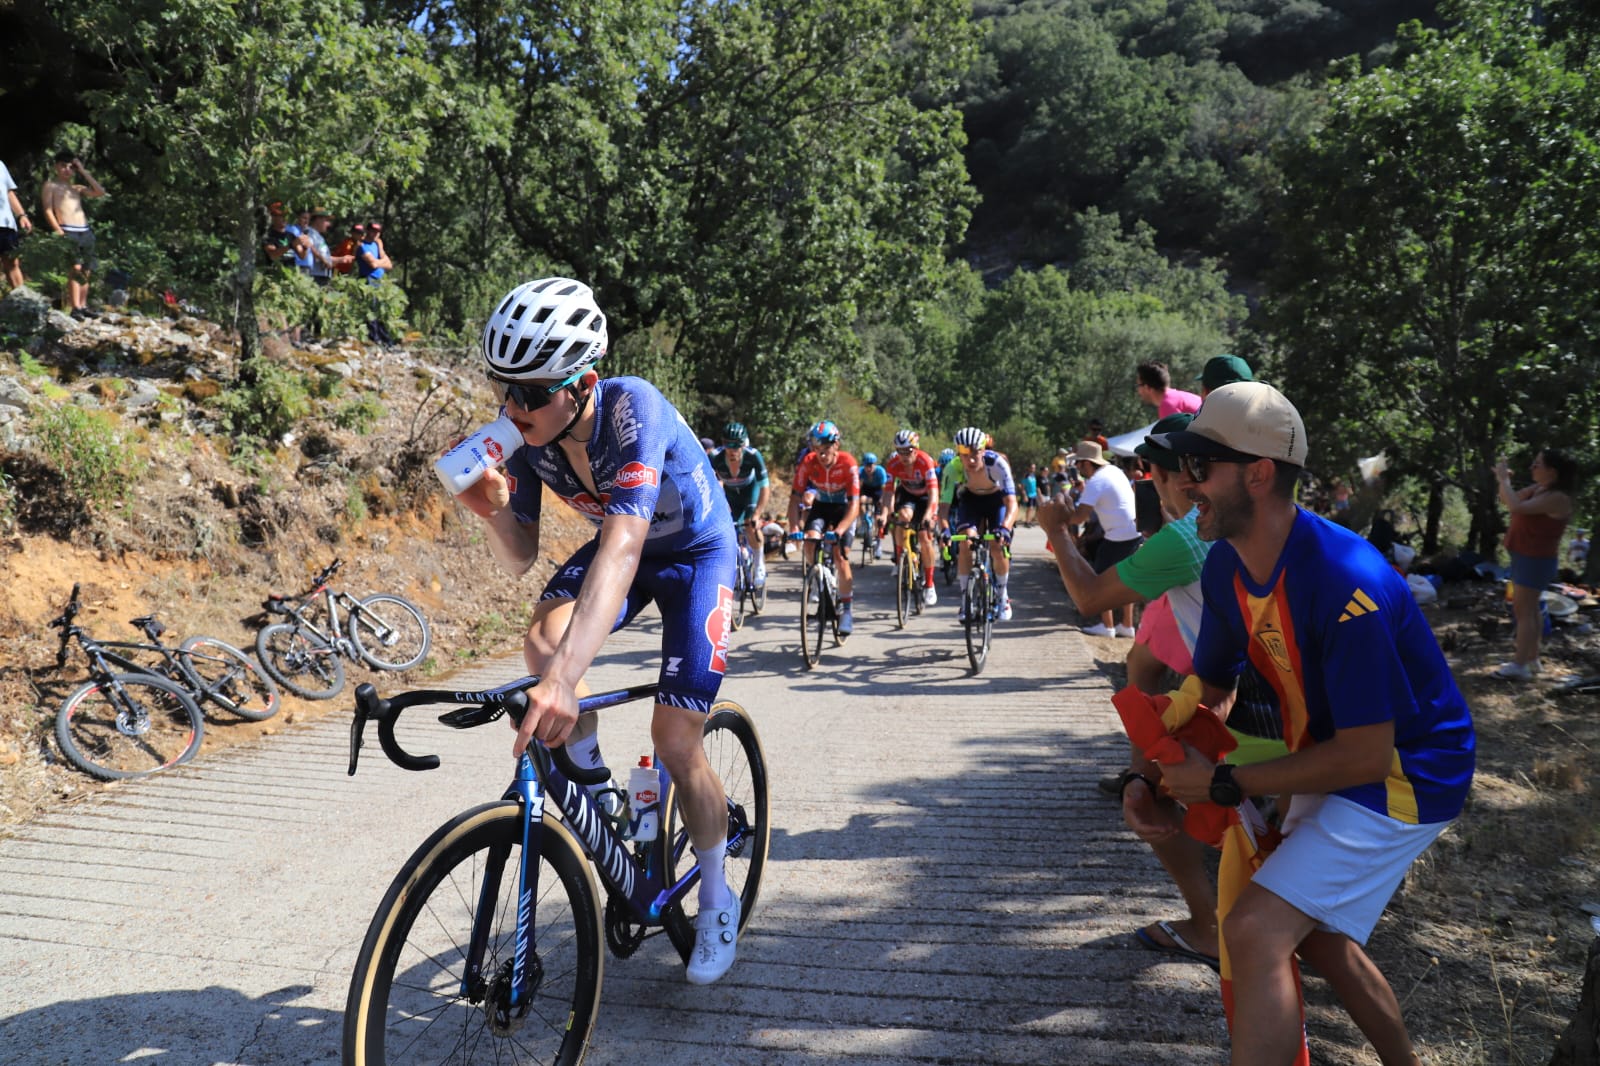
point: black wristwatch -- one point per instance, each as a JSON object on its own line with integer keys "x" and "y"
{"x": 1225, "y": 792}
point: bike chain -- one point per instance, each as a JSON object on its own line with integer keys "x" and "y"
{"x": 623, "y": 935}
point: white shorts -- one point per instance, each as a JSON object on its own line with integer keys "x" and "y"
{"x": 1340, "y": 863}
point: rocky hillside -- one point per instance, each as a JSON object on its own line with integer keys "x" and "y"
{"x": 133, "y": 461}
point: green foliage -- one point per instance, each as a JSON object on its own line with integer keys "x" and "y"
{"x": 267, "y": 408}
{"x": 1435, "y": 296}
{"x": 96, "y": 463}
{"x": 360, "y": 414}
{"x": 31, "y": 366}
{"x": 862, "y": 427}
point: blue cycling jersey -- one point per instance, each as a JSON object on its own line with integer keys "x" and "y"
{"x": 874, "y": 478}
{"x": 645, "y": 461}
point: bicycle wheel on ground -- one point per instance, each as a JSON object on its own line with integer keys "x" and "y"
{"x": 741, "y": 596}
{"x": 864, "y": 531}
{"x": 129, "y": 725}
{"x": 229, "y": 678}
{"x": 811, "y": 615}
{"x": 734, "y": 751}
{"x": 903, "y": 582}
{"x": 758, "y": 593}
{"x": 978, "y": 619}
{"x": 389, "y": 632}
{"x": 406, "y": 1001}
{"x": 300, "y": 661}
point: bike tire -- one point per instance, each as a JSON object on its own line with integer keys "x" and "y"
{"x": 758, "y": 593}
{"x": 810, "y": 615}
{"x": 902, "y": 584}
{"x": 864, "y": 531}
{"x": 405, "y": 1003}
{"x": 389, "y": 632}
{"x": 300, "y": 661}
{"x": 978, "y": 620}
{"x": 734, "y": 750}
{"x": 129, "y": 725}
{"x": 229, "y": 678}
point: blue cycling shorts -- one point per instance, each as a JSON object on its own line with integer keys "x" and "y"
{"x": 694, "y": 590}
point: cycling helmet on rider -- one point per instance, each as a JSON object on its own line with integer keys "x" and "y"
{"x": 734, "y": 435}
{"x": 824, "y": 432}
{"x": 906, "y": 438}
{"x": 972, "y": 440}
{"x": 549, "y": 331}
{"x": 870, "y": 459}
{"x": 947, "y": 455}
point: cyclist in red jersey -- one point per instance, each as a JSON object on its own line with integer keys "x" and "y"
{"x": 827, "y": 485}
{"x": 916, "y": 500}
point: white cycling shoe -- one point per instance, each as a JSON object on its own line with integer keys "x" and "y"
{"x": 716, "y": 940}
{"x": 929, "y": 597}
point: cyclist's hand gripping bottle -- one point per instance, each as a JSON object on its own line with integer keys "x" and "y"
{"x": 462, "y": 466}
{"x": 644, "y": 795}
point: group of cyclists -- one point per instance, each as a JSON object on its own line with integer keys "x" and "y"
{"x": 969, "y": 489}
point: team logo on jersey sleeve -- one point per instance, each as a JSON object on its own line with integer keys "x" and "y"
{"x": 511, "y": 482}
{"x": 719, "y": 623}
{"x": 635, "y": 475}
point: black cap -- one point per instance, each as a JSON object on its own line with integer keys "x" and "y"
{"x": 1162, "y": 456}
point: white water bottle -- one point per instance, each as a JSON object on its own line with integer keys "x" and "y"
{"x": 644, "y": 795}
{"x": 462, "y": 466}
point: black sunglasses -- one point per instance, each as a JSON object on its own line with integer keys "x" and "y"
{"x": 529, "y": 397}
{"x": 1198, "y": 467}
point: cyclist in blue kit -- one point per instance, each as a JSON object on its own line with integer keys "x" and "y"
{"x": 616, "y": 451}
{"x": 743, "y": 474}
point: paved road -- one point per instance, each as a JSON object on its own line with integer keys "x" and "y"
{"x": 945, "y": 885}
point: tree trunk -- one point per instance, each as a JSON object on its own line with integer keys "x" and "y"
{"x": 1430, "y": 535}
{"x": 1580, "y": 1044}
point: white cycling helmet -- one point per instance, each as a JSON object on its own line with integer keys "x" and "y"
{"x": 972, "y": 438}
{"x": 906, "y": 438}
{"x": 545, "y": 330}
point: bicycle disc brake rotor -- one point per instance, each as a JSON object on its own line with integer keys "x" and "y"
{"x": 504, "y": 1020}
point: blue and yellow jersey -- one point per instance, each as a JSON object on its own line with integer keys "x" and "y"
{"x": 1338, "y": 636}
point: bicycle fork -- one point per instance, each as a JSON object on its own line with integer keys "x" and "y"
{"x": 510, "y": 991}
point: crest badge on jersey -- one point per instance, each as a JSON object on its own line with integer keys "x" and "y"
{"x": 719, "y": 623}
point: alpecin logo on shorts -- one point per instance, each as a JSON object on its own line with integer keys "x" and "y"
{"x": 719, "y": 623}
{"x": 634, "y": 475}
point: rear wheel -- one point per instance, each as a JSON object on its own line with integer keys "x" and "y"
{"x": 741, "y": 592}
{"x": 734, "y": 751}
{"x": 300, "y": 661}
{"x": 129, "y": 725}
{"x": 229, "y": 678}
{"x": 407, "y": 1003}
{"x": 389, "y": 632}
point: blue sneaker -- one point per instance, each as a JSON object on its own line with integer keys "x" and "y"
{"x": 846, "y": 623}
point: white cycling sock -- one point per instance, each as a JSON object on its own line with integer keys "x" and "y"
{"x": 714, "y": 892}
{"x": 585, "y": 752}
{"x": 1000, "y": 583}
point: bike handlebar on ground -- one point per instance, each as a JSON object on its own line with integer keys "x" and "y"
{"x": 64, "y": 623}
{"x": 277, "y": 602}
{"x": 474, "y": 709}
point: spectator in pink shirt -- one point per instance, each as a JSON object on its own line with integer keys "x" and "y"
{"x": 1153, "y": 383}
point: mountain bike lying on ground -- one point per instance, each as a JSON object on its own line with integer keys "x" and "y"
{"x": 387, "y": 632}
{"x": 487, "y": 946}
{"x": 134, "y": 718}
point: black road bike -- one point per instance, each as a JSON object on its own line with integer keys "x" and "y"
{"x": 386, "y": 632}
{"x": 139, "y": 713}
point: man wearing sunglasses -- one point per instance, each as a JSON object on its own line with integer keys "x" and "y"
{"x": 619, "y": 453}
{"x": 979, "y": 496}
{"x": 827, "y": 488}
{"x": 1381, "y": 744}
{"x": 916, "y": 496}
{"x": 743, "y": 474}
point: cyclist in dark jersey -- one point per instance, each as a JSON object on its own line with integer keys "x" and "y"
{"x": 873, "y": 479}
{"x": 743, "y": 474}
{"x": 617, "y": 452}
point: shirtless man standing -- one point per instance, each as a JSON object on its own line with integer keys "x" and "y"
{"x": 62, "y": 200}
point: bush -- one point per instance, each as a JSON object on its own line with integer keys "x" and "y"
{"x": 265, "y": 410}
{"x": 89, "y": 452}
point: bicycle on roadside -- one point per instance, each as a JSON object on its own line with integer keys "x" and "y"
{"x": 908, "y": 578}
{"x": 487, "y": 945}
{"x": 133, "y": 717}
{"x": 980, "y": 605}
{"x": 819, "y": 597}
{"x": 385, "y": 631}
{"x": 749, "y": 598}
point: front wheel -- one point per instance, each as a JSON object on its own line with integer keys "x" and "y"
{"x": 300, "y": 661}
{"x": 229, "y": 678}
{"x": 734, "y": 751}
{"x": 412, "y": 999}
{"x": 812, "y": 614}
{"x": 979, "y": 620}
{"x": 129, "y": 725}
{"x": 389, "y": 632}
{"x": 904, "y": 587}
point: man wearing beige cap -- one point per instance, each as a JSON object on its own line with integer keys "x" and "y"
{"x": 1381, "y": 744}
{"x": 1108, "y": 496}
